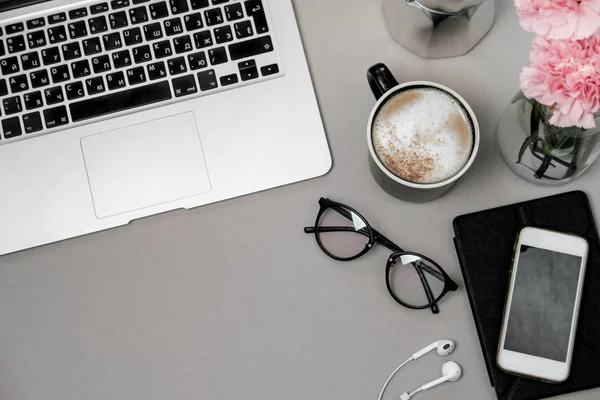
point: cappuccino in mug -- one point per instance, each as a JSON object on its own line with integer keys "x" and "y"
{"x": 423, "y": 135}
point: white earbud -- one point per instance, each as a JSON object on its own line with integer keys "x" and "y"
{"x": 444, "y": 347}
{"x": 451, "y": 372}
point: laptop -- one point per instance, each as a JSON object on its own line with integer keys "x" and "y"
{"x": 111, "y": 111}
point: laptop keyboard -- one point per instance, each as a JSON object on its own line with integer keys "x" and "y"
{"x": 79, "y": 64}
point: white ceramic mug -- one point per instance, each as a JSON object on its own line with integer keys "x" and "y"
{"x": 384, "y": 87}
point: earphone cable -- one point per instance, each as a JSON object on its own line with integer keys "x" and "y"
{"x": 385, "y": 385}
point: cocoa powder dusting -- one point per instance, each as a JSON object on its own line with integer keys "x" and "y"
{"x": 409, "y": 163}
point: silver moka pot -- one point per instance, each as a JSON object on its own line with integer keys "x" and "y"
{"x": 439, "y": 28}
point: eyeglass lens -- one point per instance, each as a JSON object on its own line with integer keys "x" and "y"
{"x": 407, "y": 276}
{"x": 342, "y": 232}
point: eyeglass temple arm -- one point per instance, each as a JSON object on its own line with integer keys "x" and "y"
{"x": 428, "y": 292}
{"x": 379, "y": 238}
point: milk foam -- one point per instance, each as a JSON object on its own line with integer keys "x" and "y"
{"x": 423, "y": 135}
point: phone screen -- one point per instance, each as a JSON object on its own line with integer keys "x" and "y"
{"x": 543, "y": 303}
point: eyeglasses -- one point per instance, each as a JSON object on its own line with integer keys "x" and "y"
{"x": 412, "y": 279}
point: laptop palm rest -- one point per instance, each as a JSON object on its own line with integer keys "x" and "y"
{"x": 144, "y": 165}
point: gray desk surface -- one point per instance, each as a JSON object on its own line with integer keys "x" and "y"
{"x": 233, "y": 300}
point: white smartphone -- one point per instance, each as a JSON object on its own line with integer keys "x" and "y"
{"x": 542, "y": 306}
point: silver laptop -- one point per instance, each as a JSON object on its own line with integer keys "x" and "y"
{"x": 112, "y": 111}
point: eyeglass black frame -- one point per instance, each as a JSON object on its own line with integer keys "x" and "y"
{"x": 376, "y": 237}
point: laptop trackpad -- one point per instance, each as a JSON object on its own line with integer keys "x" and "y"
{"x": 144, "y": 165}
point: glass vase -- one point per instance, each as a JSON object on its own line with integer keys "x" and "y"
{"x": 540, "y": 152}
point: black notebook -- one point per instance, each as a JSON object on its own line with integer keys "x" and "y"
{"x": 484, "y": 243}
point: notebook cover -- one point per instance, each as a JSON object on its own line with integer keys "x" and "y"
{"x": 484, "y": 244}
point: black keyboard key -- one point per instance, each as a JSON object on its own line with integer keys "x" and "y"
{"x": 173, "y": 26}
{"x": 132, "y": 36}
{"x": 142, "y": 54}
{"x": 177, "y": 66}
{"x": 98, "y": 24}
{"x": 101, "y": 63}
{"x": 112, "y": 41}
{"x": 9, "y": 65}
{"x": 223, "y": 34}
{"x": 30, "y": 61}
{"x": 255, "y": 9}
{"x": 80, "y": 69}
{"x": 136, "y": 75}
{"x": 57, "y": 18}
{"x": 91, "y": 46}
{"x": 56, "y": 116}
{"x": 197, "y": 61}
{"x": 269, "y": 70}
{"x": 121, "y": 59}
{"x": 116, "y": 80}
{"x": 162, "y": 49}
{"x": 15, "y": 44}
{"x": 95, "y": 85}
{"x": 217, "y": 2}
{"x": 18, "y": 83}
{"x": 159, "y": 10}
{"x": 182, "y": 44}
{"x": 178, "y": 6}
{"x": 71, "y": 51}
{"x": 243, "y": 29}
{"x": 32, "y": 122}
{"x": 138, "y": 15}
{"x": 39, "y": 78}
{"x": 35, "y": 23}
{"x": 196, "y": 4}
{"x": 11, "y": 127}
{"x": 157, "y": 70}
{"x": 118, "y": 20}
{"x": 248, "y": 70}
{"x": 51, "y": 56}
{"x": 217, "y": 56}
{"x": 12, "y": 105}
{"x": 60, "y": 73}
{"x": 3, "y": 87}
{"x": 233, "y": 12}
{"x": 15, "y": 28}
{"x": 184, "y": 86}
{"x": 213, "y": 17}
{"x": 78, "y": 13}
{"x": 116, "y": 4}
{"x": 193, "y": 21}
{"x": 153, "y": 31}
{"x": 120, "y": 101}
{"x": 77, "y": 29}
{"x": 2, "y": 50}
{"x": 54, "y": 95}
{"x": 136, "y": 2}
{"x": 203, "y": 39}
{"x": 74, "y": 90}
{"x": 208, "y": 80}
{"x": 57, "y": 34}
{"x": 36, "y": 39}
{"x": 33, "y": 100}
{"x": 250, "y": 47}
{"x": 99, "y": 8}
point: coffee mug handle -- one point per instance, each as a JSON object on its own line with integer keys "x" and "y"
{"x": 380, "y": 80}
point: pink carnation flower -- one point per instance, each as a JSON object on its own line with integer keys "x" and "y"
{"x": 560, "y": 19}
{"x": 565, "y": 75}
